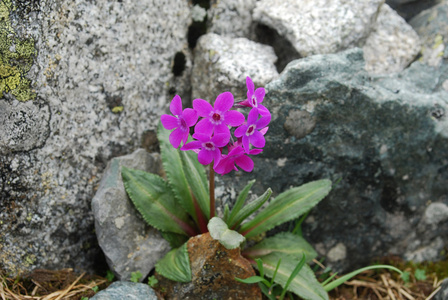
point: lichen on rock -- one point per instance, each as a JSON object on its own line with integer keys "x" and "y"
{"x": 16, "y": 58}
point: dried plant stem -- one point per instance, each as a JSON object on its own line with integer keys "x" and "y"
{"x": 211, "y": 180}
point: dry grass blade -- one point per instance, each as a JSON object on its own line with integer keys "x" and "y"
{"x": 433, "y": 293}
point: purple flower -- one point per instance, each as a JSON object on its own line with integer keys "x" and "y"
{"x": 217, "y": 118}
{"x": 254, "y": 98}
{"x": 237, "y": 156}
{"x": 181, "y": 122}
{"x": 249, "y": 132}
{"x": 209, "y": 147}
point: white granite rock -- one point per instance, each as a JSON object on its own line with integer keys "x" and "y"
{"x": 103, "y": 74}
{"x": 231, "y": 18}
{"x": 222, "y": 64}
{"x": 392, "y": 45}
{"x": 319, "y": 26}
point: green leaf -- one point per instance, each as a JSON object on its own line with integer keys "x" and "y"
{"x": 287, "y": 206}
{"x": 420, "y": 274}
{"x": 136, "y": 276}
{"x": 305, "y": 284}
{"x": 240, "y": 202}
{"x": 226, "y": 213}
{"x": 154, "y": 200}
{"x": 285, "y": 242}
{"x": 293, "y": 275}
{"x": 110, "y": 275}
{"x": 253, "y": 279}
{"x": 152, "y": 281}
{"x": 334, "y": 284}
{"x": 250, "y": 208}
{"x": 406, "y": 276}
{"x": 219, "y": 231}
{"x": 197, "y": 180}
{"x": 175, "y": 174}
{"x": 175, "y": 265}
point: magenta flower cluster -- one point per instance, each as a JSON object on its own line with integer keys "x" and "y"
{"x": 212, "y": 138}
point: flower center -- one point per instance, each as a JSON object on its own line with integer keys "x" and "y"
{"x": 208, "y": 146}
{"x": 182, "y": 124}
{"x": 254, "y": 101}
{"x": 216, "y": 118}
{"x": 250, "y": 130}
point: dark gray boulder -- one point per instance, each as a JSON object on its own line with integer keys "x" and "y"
{"x": 383, "y": 141}
{"x": 121, "y": 290}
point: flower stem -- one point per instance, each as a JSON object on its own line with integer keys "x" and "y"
{"x": 211, "y": 180}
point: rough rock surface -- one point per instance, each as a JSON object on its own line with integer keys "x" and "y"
{"x": 213, "y": 269}
{"x": 432, "y": 26}
{"x": 316, "y": 27}
{"x": 226, "y": 63}
{"x": 443, "y": 293}
{"x": 232, "y": 18}
{"x": 384, "y": 137}
{"x": 102, "y": 73}
{"x": 121, "y": 290}
{"x": 128, "y": 243}
{"x": 392, "y": 45}
{"x": 410, "y": 8}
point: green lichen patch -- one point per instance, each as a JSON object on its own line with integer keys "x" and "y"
{"x": 16, "y": 58}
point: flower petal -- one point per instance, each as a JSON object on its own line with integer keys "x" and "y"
{"x": 191, "y": 145}
{"x": 185, "y": 137}
{"x": 255, "y": 151}
{"x": 250, "y": 87}
{"x": 204, "y": 126}
{"x": 203, "y": 138}
{"x": 224, "y": 102}
{"x": 176, "y": 106}
{"x": 263, "y": 111}
{"x": 175, "y": 137}
{"x": 259, "y": 94}
{"x": 190, "y": 116}
{"x": 202, "y": 107}
{"x": 246, "y": 144}
{"x": 240, "y": 131}
{"x": 264, "y": 130}
{"x": 263, "y": 122}
{"x": 216, "y": 156}
{"x": 222, "y": 129}
{"x": 257, "y": 140}
{"x": 220, "y": 140}
{"x": 205, "y": 157}
{"x": 245, "y": 163}
{"x": 233, "y": 118}
{"x": 169, "y": 122}
{"x": 252, "y": 117}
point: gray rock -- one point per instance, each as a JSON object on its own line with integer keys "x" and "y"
{"x": 121, "y": 290}
{"x": 442, "y": 294}
{"x": 392, "y": 45}
{"x": 316, "y": 27}
{"x": 128, "y": 243}
{"x": 226, "y": 63}
{"x": 410, "y": 8}
{"x": 102, "y": 75}
{"x": 432, "y": 27}
{"x": 384, "y": 138}
{"x": 232, "y": 18}
{"x": 25, "y": 125}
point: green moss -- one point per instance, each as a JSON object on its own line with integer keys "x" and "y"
{"x": 16, "y": 58}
